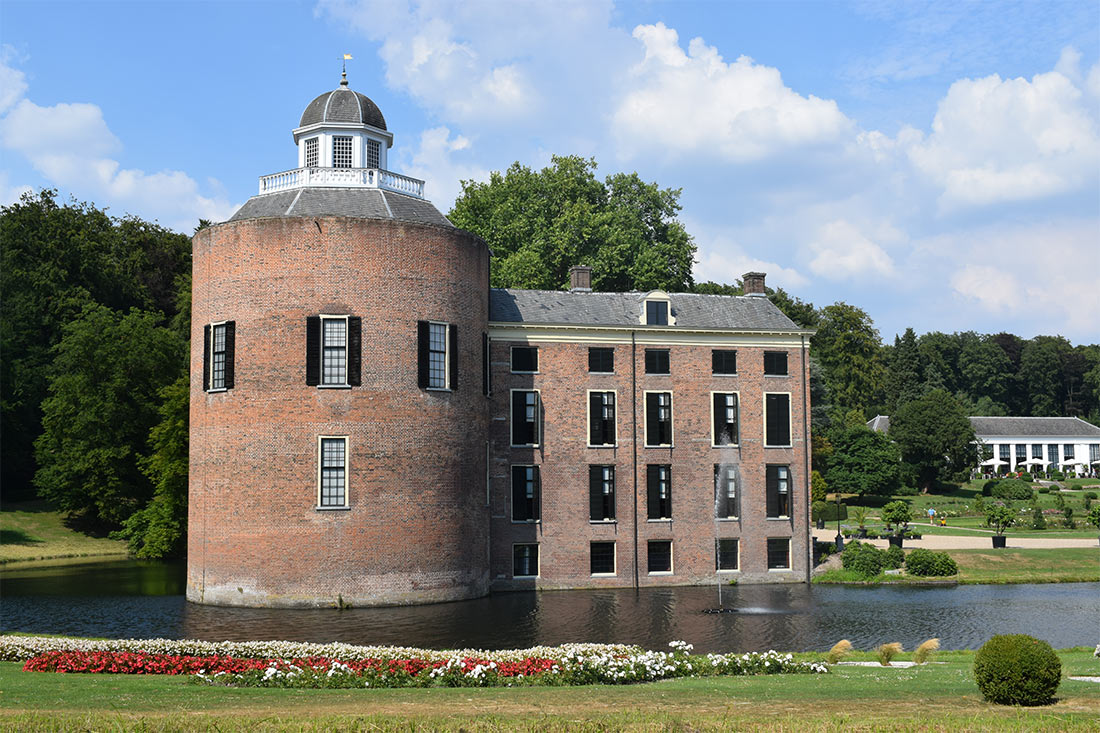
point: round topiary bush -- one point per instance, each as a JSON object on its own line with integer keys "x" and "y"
{"x": 987, "y": 487}
{"x": 1090, "y": 495}
{"x": 863, "y": 558}
{"x": 1017, "y": 669}
{"x": 928, "y": 563}
{"x": 1012, "y": 488}
{"x": 895, "y": 557}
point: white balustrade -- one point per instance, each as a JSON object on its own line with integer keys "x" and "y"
{"x": 342, "y": 178}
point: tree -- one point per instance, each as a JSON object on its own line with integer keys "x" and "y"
{"x": 903, "y": 382}
{"x": 863, "y": 462}
{"x": 934, "y": 436}
{"x": 539, "y": 224}
{"x": 103, "y": 400}
{"x": 898, "y": 514}
{"x": 986, "y": 372}
{"x": 1000, "y": 517}
{"x": 848, "y": 346}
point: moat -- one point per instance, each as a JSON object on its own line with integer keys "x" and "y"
{"x": 145, "y": 599}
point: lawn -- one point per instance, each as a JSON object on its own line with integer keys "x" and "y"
{"x": 31, "y": 531}
{"x": 938, "y": 696}
{"x": 1062, "y": 565}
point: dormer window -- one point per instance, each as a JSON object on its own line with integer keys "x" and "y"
{"x": 657, "y": 310}
{"x": 373, "y": 156}
{"x": 341, "y": 151}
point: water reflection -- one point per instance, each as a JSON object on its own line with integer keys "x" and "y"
{"x": 145, "y": 599}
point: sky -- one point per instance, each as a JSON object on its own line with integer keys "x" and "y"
{"x": 936, "y": 164}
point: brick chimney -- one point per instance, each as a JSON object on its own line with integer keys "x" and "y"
{"x": 580, "y": 279}
{"x": 754, "y": 284}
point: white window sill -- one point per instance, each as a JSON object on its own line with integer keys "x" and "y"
{"x": 603, "y": 373}
{"x": 602, "y": 575}
{"x": 524, "y": 577}
{"x": 718, "y": 374}
{"x": 218, "y": 389}
{"x": 725, "y": 445}
{"x": 603, "y": 521}
{"x": 780, "y": 518}
{"x": 332, "y": 508}
{"x": 438, "y": 389}
{"x": 729, "y": 570}
{"x": 526, "y": 521}
{"x": 515, "y": 372}
{"x": 777, "y": 376}
{"x": 779, "y": 570}
{"x": 667, "y": 520}
{"x": 660, "y": 572}
{"x": 660, "y": 445}
{"x": 525, "y": 445}
{"x": 788, "y": 445}
{"x": 728, "y": 519}
{"x": 333, "y": 386}
{"x": 603, "y": 445}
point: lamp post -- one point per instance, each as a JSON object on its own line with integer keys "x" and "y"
{"x": 839, "y": 536}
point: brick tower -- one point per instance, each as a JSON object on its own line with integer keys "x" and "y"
{"x": 338, "y": 415}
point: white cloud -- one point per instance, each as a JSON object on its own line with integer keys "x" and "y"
{"x": 995, "y": 140}
{"x": 437, "y": 161}
{"x": 13, "y": 82}
{"x": 695, "y": 102}
{"x": 842, "y": 251}
{"x": 71, "y": 146}
{"x": 723, "y": 262}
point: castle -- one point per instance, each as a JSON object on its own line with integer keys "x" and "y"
{"x": 372, "y": 424}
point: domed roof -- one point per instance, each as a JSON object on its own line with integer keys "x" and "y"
{"x": 343, "y": 105}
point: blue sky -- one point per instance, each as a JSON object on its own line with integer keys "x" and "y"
{"x": 935, "y": 163}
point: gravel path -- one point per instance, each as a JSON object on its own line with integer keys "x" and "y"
{"x": 977, "y": 542}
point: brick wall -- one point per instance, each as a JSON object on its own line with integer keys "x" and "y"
{"x": 416, "y": 526}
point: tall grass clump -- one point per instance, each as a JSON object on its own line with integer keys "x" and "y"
{"x": 840, "y": 650}
{"x": 886, "y": 652}
{"x": 924, "y": 651}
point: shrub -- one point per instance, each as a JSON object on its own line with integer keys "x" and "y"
{"x": 907, "y": 491}
{"x": 987, "y": 487}
{"x": 924, "y": 651}
{"x": 1025, "y": 476}
{"x": 827, "y": 510}
{"x": 1013, "y": 489}
{"x": 897, "y": 513}
{"x": 1059, "y": 501}
{"x": 1017, "y": 669}
{"x": 1091, "y": 495}
{"x": 1057, "y": 476}
{"x": 1044, "y": 489}
{"x": 1094, "y": 517}
{"x": 839, "y": 651}
{"x": 863, "y": 558}
{"x": 927, "y": 563}
{"x": 1068, "y": 521}
{"x": 818, "y": 487}
{"x": 895, "y": 557}
{"x": 1038, "y": 521}
{"x": 886, "y": 652}
{"x": 1000, "y": 517}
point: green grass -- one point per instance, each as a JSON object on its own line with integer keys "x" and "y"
{"x": 937, "y": 696}
{"x": 1061, "y": 565}
{"x": 31, "y": 531}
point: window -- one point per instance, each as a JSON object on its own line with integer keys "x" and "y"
{"x": 601, "y": 418}
{"x": 525, "y": 359}
{"x": 312, "y": 156}
{"x": 601, "y": 493}
{"x": 526, "y": 494}
{"x": 775, "y": 363}
{"x": 659, "y": 556}
{"x": 372, "y": 154}
{"x": 1037, "y": 451}
{"x": 656, "y": 361}
{"x": 601, "y": 360}
{"x": 1052, "y": 453}
{"x": 1003, "y": 451}
{"x": 659, "y": 490}
{"x": 1094, "y": 452}
{"x": 334, "y": 351}
{"x": 723, "y": 361}
{"x": 525, "y": 561}
{"x": 726, "y": 554}
{"x": 525, "y": 417}
{"x": 656, "y": 312}
{"x": 779, "y": 553}
{"x": 341, "y": 152}
{"x": 777, "y": 419}
{"x": 217, "y": 358}
{"x": 437, "y": 355}
{"x": 726, "y": 499}
{"x": 1067, "y": 452}
{"x": 658, "y": 418}
{"x": 725, "y": 418}
{"x": 332, "y": 470}
{"x": 778, "y": 488}
{"x": 1021, "y": 452}
{"x": 602, "y": 556}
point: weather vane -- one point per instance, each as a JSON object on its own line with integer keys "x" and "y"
{"x": 344, "y": 70}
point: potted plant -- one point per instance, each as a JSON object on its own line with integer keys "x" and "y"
{"x": 1093, "y": 517}
{"x": 1000, "y": 517}
{"x": 898, "y": 515}
{"x": 860, "y": 515}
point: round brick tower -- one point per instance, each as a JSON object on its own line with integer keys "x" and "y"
{"x": 338, "y": 419}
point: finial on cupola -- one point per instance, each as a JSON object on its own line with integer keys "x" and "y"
{"x": 344, "y": 71}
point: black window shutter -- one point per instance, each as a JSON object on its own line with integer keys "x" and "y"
{"x": 652, "y": 480}
{"x": 718, "y": 409}
{"x": 452, "y": 353}
{"x": 595, "y": 492}
{"x": 230, "y": 351}
{"x": 595, "y": 419}
{"x": 519, "y": 495}
{"x": 355, "y": 351}
{"x": 313, "y": 350}
{"x": 772, "y": 489}
{"x": 653, "y": 428}
{"x": 206, "y": 357}
{"x": 484, "y": 363}
{"x": 536, "y": 508}
{"x": 422, "y": 354}
{"x": 720, "y": 503}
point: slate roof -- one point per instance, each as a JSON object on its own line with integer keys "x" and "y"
{"x": 1039, "y": 427}
{"x": 691, "y": 310}
{"x": 343, "y": 105}
{"x": 363, "y": 203}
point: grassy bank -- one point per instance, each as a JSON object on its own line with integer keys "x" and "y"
{"x": 32, "y": 531}
{"x": 1060, "y": 565}
{"x": 939, "y": 696}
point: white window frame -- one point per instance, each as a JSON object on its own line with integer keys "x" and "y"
{"x": 614, "y": 558}
{"x": 658, "y": 296}
{"x": 737, "y": 490}
{"x": 671, "y": 418}
{"x": 210, "y": 346}
{"x": 523, "y": 346}
{"x": 351, "y": 151}
{"x": 790, "y": 420}
{"x": 789, "y": 492}
{"x": 538, "y": 560}
{"x": 511, "y": 495}
{"x": 369, "y": 144}
{"x": 347, "y": 473}
{"x": 713, "y": 437}
{"x": 446, "y": 357}
{"x": 787, "y": 569}
{"x": 588, "y": 422}
{"x": 614, "y": 494}
{"x": 538, "y": 418}
{"x": 316, "y": 141}
{"x": 737, "y": 569}
{"x": 671, "y": 558}
{"x": 347, "y": 352}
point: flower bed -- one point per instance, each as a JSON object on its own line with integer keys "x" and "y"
{"x": 570, "y": 664}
